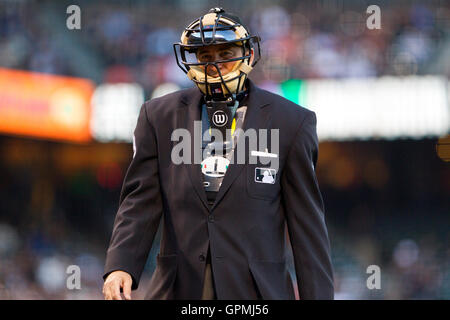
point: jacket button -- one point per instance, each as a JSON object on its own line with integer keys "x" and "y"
{"x": 211, "y": 218}
{"x": 201, "y": 257}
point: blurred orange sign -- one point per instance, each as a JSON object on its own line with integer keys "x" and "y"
{"x": 45, "y": 106}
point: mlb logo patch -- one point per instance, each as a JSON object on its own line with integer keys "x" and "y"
{"x": 265, "y": 175}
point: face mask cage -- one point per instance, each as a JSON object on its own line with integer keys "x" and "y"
{"x": 197, "y": 36}
{"x": 186, "y": 58}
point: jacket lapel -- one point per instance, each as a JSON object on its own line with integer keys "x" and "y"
{"x": 190, "y": 112}
{"x": 256, "y": 117}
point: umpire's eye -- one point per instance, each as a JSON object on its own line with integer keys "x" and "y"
{"x": 226, "y": 55}
{"x": 206, "y": 58}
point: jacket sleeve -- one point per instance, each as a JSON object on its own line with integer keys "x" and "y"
{"x": 140, "y": 206}
{"x": 304, "y": 210}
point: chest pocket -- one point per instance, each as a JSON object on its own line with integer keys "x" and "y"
{"x": 263, "y": 182}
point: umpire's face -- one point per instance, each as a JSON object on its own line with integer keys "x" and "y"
{"x": 219, "y": 52}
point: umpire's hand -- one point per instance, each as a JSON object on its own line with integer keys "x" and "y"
{"x": 114, "y": 282}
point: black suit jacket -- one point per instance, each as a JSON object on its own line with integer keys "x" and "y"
{"x": 245, "y": 228}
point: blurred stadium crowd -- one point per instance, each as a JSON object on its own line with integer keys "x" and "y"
{"x": 388, "y": 208}
{"x": 132, "y": 40}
